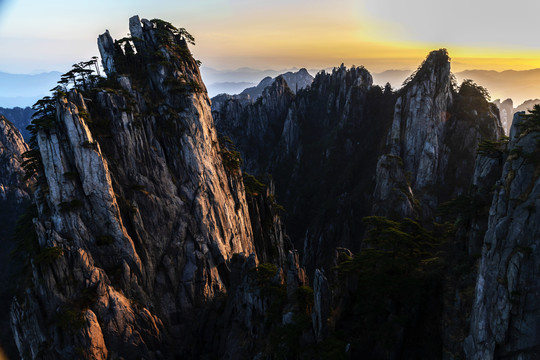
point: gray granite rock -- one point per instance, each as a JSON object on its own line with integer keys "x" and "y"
{"x": 505, "y": 317}
{"x": 140, "y": 212}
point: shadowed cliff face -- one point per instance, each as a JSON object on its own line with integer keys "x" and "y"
{"x": 138, "y": 215}
{"x": 319, "y": 146}
{"x": 505, "y": 315}
{"x": 344, "y": 149}
{"x": 14, "y": 197}
{"x": 12, "y": 146}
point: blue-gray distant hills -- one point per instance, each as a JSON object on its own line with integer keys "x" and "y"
{"x": 23, "y": 90}
{"x": 236, "y": 81}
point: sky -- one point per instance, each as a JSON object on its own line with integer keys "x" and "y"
{"x": 37, "y": 35}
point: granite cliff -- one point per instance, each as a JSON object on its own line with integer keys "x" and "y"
{"x": 138, "y": 211}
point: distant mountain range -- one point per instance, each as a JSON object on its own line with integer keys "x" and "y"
{"x": 295, "y": 81}
{"x": 519, "y": 85}
{"x": 23, "y": 90}
{"x": 235, "y": 81}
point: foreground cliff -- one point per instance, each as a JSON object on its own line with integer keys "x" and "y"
{"x": 138, "y": 211}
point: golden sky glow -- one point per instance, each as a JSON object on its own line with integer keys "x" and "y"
{"x": 279, "y": 34}
{"x": 328, "y": 35}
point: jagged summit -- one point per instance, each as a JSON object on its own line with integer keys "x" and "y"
{"x": 436, "y": 65}
{"x": 154, "y": 47}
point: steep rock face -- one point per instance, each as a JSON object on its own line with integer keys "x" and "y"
{"x": 506, "y": 109}
{"x": 139, "y": 216}
{"x": 12, "y": 146}
{"x": 487, "y": 171}
{"x": 270, "y": 240}
{"x": 14, "y": 197}
{"x": 433, "y": 132}
{"x": 261, "y": 317}
{"x": 321, "y": 306}
{"x": 505, "y": 317}
{"x": 416, "y": 136}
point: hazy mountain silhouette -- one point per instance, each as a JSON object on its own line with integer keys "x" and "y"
{"x": 23, "y": 90}
{"x": 518, "y": 85}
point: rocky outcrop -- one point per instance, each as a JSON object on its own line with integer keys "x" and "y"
{"x": 525, "y": 106}
{"x": 416, "y": 136}
{"x": 430, "y": 146}
{"x": 321, "y": 306}
{"x": 14, "y": 198}
{"x": 12, "y": 147}
{"x": 506, "y": 111}
{"x": 505, "y": 316}
{"x": 14, "y": 188}
{"x": 140, "y": 215}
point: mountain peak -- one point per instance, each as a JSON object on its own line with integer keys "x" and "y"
{"x": 438, "y": 56}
